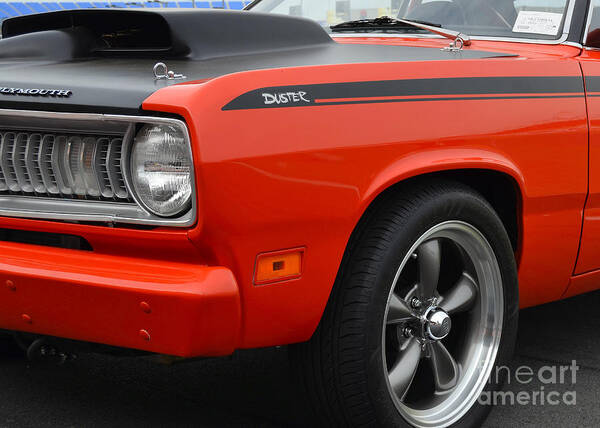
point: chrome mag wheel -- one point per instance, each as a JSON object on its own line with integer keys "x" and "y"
{"x": 442, "y": 325}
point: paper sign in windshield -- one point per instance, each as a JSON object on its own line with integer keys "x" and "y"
{"x": 538, "y": 23}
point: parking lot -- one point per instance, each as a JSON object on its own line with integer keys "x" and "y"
{"x": 253, "y": 388}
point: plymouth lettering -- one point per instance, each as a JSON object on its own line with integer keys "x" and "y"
{"x": 36, "y": 92}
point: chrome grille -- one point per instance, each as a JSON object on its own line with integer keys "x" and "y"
{"x": 57, "y": 165}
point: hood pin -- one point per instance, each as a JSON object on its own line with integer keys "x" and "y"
{"x": 161, "y": 71}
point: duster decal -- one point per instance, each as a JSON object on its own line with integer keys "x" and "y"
{"x": 410, "y": 90}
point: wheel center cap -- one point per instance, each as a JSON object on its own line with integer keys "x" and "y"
{"x": 438, "y": 324}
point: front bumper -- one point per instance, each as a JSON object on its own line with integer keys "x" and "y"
{"x": 157, "y": 306}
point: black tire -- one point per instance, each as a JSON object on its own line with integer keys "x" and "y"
{"x": 340, "y": 368}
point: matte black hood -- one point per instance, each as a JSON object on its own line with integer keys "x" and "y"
{"x": 105, "y": 58}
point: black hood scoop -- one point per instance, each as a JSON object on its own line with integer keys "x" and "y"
{"x": 180, "y": 34}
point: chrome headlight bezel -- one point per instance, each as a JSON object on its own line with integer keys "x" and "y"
{"x": 129, "y": 169}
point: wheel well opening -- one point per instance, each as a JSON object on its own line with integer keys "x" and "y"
{"x": 499, "y": 189}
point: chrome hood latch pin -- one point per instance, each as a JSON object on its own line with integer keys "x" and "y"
{"x": 456, "y": 45}
{"x": 161, "y": 71}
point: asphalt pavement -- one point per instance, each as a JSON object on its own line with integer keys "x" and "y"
{"x": 254, "y": 388}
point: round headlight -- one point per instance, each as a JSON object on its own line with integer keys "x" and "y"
{"x": 161, "y": 169}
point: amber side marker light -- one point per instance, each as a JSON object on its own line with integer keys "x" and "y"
{"x": 278, "y": 266}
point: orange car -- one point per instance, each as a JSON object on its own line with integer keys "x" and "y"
{"x": 382, "y": 183}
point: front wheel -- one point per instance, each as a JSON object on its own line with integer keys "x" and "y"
{"x": 423, "y": 312}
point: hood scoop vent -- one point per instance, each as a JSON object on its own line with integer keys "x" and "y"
{"x": 97, "y": 31}
{"x": 179, "y": 34}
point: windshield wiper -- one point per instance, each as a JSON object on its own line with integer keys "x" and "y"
{"x": 383, "y": 22}
{"x": 387, "y": 23}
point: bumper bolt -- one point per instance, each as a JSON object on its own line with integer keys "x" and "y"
{"x": 26, "y": 318}
{"x": 145, "y": 307}
{"x": 145, "y": 335}
{"x": 11, "y": 285}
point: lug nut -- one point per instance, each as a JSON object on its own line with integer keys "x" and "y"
{"x": 415, "y": 303}
{"x": 408, "y": 332}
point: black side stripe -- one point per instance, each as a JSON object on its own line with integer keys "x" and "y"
{"x": 462, "y": 88}
{"x": 406, "y": 100}
{"x": 592, "y": 83}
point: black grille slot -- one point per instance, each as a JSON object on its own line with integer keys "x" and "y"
{"x": 57, "y": 240}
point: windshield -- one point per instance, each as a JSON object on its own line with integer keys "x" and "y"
{"x": 536, "y": 19}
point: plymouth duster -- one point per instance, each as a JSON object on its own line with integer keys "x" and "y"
{"x": 379, "y": 184}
